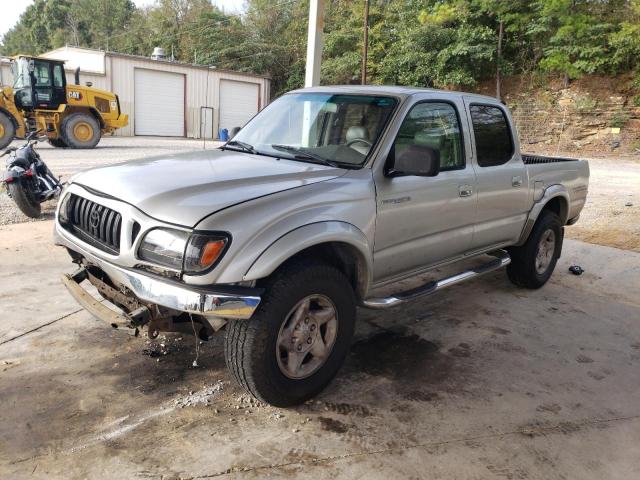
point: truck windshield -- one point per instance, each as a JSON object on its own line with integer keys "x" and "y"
{"x": 318, "y": 127}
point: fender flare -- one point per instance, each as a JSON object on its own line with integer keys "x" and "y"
{"x": 310, "y": 235}
{"x": 69, "y": 110}
{"x": 551, "y": 192}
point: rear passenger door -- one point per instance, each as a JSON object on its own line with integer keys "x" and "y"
{"x": 501, "y": 182}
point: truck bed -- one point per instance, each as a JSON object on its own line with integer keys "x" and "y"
{"x": 572, "y": 173}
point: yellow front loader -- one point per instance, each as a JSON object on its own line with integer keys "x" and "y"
{"x": 72, "y": 116}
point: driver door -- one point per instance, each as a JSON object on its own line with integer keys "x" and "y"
{"x": 423, "y": 221}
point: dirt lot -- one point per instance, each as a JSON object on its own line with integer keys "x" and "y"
{"x": 66, "y": 162}
{"x": 484, "y": 381}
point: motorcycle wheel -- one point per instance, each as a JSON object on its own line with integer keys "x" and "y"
{"x": 24, "y": 196}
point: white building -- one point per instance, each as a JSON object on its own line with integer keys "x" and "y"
{"x": 166, "y": 98}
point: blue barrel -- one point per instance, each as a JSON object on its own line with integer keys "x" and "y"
{"x": 224, "y": 134}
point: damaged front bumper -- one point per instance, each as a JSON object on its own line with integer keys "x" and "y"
{"x": 221, "y": 301}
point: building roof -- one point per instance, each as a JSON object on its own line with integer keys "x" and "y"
{"x": 153, "y": 60}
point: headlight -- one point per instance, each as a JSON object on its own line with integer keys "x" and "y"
{"x": 63, "y": 209}
{"x": 164, "y": 247}
{"x": 176, "y": 249}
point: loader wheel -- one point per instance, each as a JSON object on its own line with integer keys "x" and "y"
{"x": 7, "y": 130}
{"x": 57, "y": 142}
{"x": 533, "y": 263}
{"x": 297, "y": 339}
{"x": 80, "y": 130}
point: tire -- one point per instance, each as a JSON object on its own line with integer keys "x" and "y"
{"x": 7, "y": 130}
{"x": 251, "y": 346}
{"x": 526, "y": 268}
{"x": 23, "y": 195}
{"x": 57, "y": 143}
{"x": 80, "y": 130}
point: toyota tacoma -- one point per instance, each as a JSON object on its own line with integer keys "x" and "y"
{"x": 323, "y": 197}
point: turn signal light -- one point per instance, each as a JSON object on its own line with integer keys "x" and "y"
{"x": 211, "y": 252}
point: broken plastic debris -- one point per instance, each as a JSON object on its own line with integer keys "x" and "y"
{"x": 576, "y": 269}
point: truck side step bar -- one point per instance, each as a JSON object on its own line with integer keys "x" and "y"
{"x": 502, "y": 260}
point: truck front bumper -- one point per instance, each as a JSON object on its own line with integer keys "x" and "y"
{"x": 220, "y": 301}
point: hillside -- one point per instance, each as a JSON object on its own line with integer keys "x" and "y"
{"x": 583, "y": 118}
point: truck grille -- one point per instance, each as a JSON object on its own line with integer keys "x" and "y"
{"x": 94, "y": 223}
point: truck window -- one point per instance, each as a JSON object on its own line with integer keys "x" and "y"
{"x": 434, "y": 125}
{"x": 492, "y": 135}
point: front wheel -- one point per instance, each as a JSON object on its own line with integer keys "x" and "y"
{"x": 533, "y": 263}
{"x": 298, "y": 337}
{"x": 25, "y": 197}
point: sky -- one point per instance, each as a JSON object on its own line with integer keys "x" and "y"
{"x": 11, "y": 10}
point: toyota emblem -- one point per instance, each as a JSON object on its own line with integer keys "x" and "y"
{"x": 94, "y": 220}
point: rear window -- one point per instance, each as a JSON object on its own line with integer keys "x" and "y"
{"x": 492, "y": 135}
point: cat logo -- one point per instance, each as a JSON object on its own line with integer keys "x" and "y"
{"x": 75, "y": 95}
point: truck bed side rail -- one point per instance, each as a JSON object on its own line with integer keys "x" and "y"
{"x": 530, "y": 159}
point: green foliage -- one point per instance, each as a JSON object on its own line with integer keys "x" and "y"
{"x": 619, "y": 119}
{"x": 431, "y": 43}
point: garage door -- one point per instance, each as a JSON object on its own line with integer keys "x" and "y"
{"x": 159, "y": 103}
{"x": 238, "y": 103}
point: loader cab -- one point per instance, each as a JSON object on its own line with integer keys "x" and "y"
{"x": 38, "y": 83}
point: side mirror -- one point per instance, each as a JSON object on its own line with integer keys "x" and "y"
{"x": 417, "y": 160}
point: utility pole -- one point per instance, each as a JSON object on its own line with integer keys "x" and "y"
{"x": 314, "y": 43}
{"x": 500, "y": 33}
{"x": 365, "y": 45}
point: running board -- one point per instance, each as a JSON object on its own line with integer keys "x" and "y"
{"x": 502, "y": 260}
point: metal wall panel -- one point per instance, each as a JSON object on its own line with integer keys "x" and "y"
{"x": 202, "y": 88}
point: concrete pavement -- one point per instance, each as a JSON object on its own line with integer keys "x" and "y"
{"x": 480, "y": 381}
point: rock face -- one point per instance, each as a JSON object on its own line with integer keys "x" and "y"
{"x": 593, "y": 115}
{"x": 569, "y": 121}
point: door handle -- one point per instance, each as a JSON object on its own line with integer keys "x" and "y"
{"x": 516, "y": 181}
{"x": 465, "y": 190}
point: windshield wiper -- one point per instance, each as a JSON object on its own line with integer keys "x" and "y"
{"x": 244, "y": 146}
{"x": 304, "y": 153}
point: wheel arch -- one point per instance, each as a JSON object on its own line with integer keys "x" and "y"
{"x": 340, "y": 244}
{"x": 556, "y": 199}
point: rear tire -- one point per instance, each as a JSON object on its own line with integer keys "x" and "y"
{"x": 80, "y": 130}
{"x": 533, "y": 263}
{"x": 7, "y": 130}
{"x": 24, "y": 198}
{"x": 57, "y": 143}
{"x": 290, "y": 349}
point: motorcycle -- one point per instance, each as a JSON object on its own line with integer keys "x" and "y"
{"x": 28, "y": 179}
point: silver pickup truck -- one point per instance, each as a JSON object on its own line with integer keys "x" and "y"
{"x": 324, "y": 196}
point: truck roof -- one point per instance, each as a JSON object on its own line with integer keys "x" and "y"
{"x": 390, "y": 90}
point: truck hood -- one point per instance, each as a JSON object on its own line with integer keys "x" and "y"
{"x": 183, "y": 189}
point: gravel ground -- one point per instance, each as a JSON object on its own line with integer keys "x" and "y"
{"x": 611, "y": 216}
{"x": 66, "y": 162}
